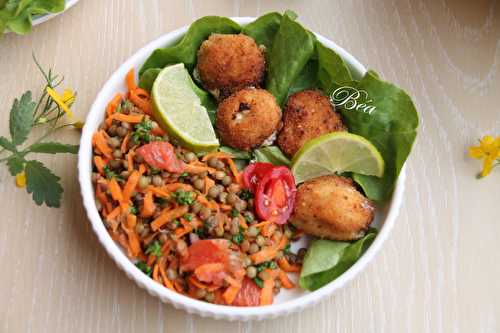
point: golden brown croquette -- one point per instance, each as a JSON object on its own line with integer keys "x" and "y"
{"x": 247, "y": 118}
{"x": 307, "y": 115}
{"x": 331, "y": 207}
{"x": 228, "y": 63}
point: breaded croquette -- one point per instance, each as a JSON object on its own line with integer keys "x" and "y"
{"x": 247, "y": 118}
{"x": 307, "y": 115}
{"x": 228, "y": 63}
{"x": 331, "y": 207}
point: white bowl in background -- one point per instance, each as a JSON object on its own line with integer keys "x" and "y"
{"x": 287, "y": 301}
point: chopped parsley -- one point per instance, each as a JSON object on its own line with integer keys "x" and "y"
{"x": 132, "y": 210}
{"x": 111, "y": 174}
{"x": 201, "y": 232}
{"x": 188, "y": 217}
{"x": 257, "y": 281}
{"x": 176, "y": 223}
{"x": 248, "y": 218}
{"x": 245, "y": 194}
{"x": 265, "y": 265}
{"x": 234, "y": 212}
{"x": 184, "y": 197}
{"x": 143, "y": 267}
{"x": 184, "y": 174}
{"x": 287, "y": 250}
{"x": 154, "y": 249}
{"x": 154, "y": 171}
{"x": 238, "y": 238}
{"x": 141, "y": 132}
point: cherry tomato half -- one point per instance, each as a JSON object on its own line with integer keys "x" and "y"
{"x": 161, "y": 155}
{"x": 249, "y": 294}
{"x": 254, "y": 173}
{"x": 274, "y": 190}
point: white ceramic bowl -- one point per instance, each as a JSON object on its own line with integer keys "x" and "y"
{"x": 287, "y": 302}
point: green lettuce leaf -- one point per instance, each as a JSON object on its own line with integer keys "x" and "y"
{"x": 271, "y": 154}
{"x": 264, "y": 29}
{"x": 292, "y": 48}
{"x": 391, "y": 127}
{"x": 185, "y": 51}
{"x": 326, "y": 260}
{"x": 17, "y": 14}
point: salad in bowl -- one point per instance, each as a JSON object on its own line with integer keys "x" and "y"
{"x": 244, "y": 168}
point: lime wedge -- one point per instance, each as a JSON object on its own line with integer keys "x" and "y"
{"x": 179, "y": 111}
{"x": 337, "y": 152}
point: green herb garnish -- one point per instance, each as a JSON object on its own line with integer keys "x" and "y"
{"x": 258, "y": 282}
{"x": 111, "y": 174}
{"x": 141, "y": 132}
{"x": 265, "y": 265}
{"x": 237, "y": 239}
{"x": 246, "y": 194}
{"x": 188, "y": 217}
{"x": 143, "y": 267}
{"x": 234, "y": 212}
{"x": 154, "y": 249}
{"x": 44, "y": 113}
{"x": 133, "y": 210}
{"x": 184, "y": 197}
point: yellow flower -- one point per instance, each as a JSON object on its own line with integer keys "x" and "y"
{"x": 78, "y": 124}
{"x": 488, "y": 151}
{"x": 65, "y": 101}
{"x": 21, "y": 179}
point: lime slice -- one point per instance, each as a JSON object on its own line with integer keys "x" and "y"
{"x": 179, "y": 111}
{"x": 337, "y": 152}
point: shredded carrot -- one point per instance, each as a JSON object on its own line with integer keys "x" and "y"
{"x": 209, "y": 182}
{"x": 196, "y": 169}
{"x": 230, "y": 294}
{"x": 148, "y": 208}
{"x": 287, "y": 267}
{"x": 179, "y": 232}
{"x": 158, "y": 131}
{"x": 100, "y": 195}
{"x": 130, "y": 80}
{"x": 124, "y": 146}
{"x": 268, "y": 253}
{"x": 177, "y": 186}
{"x": 261, "y": 224}
{"x": 166, "y": 282}
{"x": 130, "y": 160}
{"x": 141, "y": 99}
{"x": 116, "y": 191}
{"x": 99, "y": 164}
{"x": 113, "y": 214}
{"x": 151, "y": 260}
{"x": 225, "y": 208}
{"x": 142, "y": 169}
{"x": 266, "y": 293}
{"x": 158, "y": 191}
{"x": 285, "y": 281}
{"x": 102, "y": 144}
{"x": 268, "y": 229}
{"x": 111, "y": 108}
{"x": 178, "y": 287}
{"x": 109, "y": 207}
{"x": 234, "y": 170}
{"x": 132, "y": 181}
{"x": 168, "y": 215}
{"x": 232, "y": 281}
{"x": 128, "y": 118}
{"x": 243, "y": 223}
{"x": 133, "y": 238}
{"x": 194, "y": 281}
{"x": 156, "y": 270}
{"x": 216, "y": 154}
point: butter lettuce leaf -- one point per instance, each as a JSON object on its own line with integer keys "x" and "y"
{"x": 185, "y": 51}
{"x": 326, "y": 260}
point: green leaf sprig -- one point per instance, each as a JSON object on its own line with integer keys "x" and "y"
{"x": 45, "y": 113}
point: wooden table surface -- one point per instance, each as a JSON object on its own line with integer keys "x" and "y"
{"x": 438, "y": 271}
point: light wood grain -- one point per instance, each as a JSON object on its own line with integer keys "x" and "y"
{"x": 439, "y": 270}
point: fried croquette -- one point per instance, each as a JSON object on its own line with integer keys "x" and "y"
{"x": 307, "y": 115}
{"x": 247, "y": 118}
{"x": 228, "y": 63}
{"x": 331, "y": 207}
